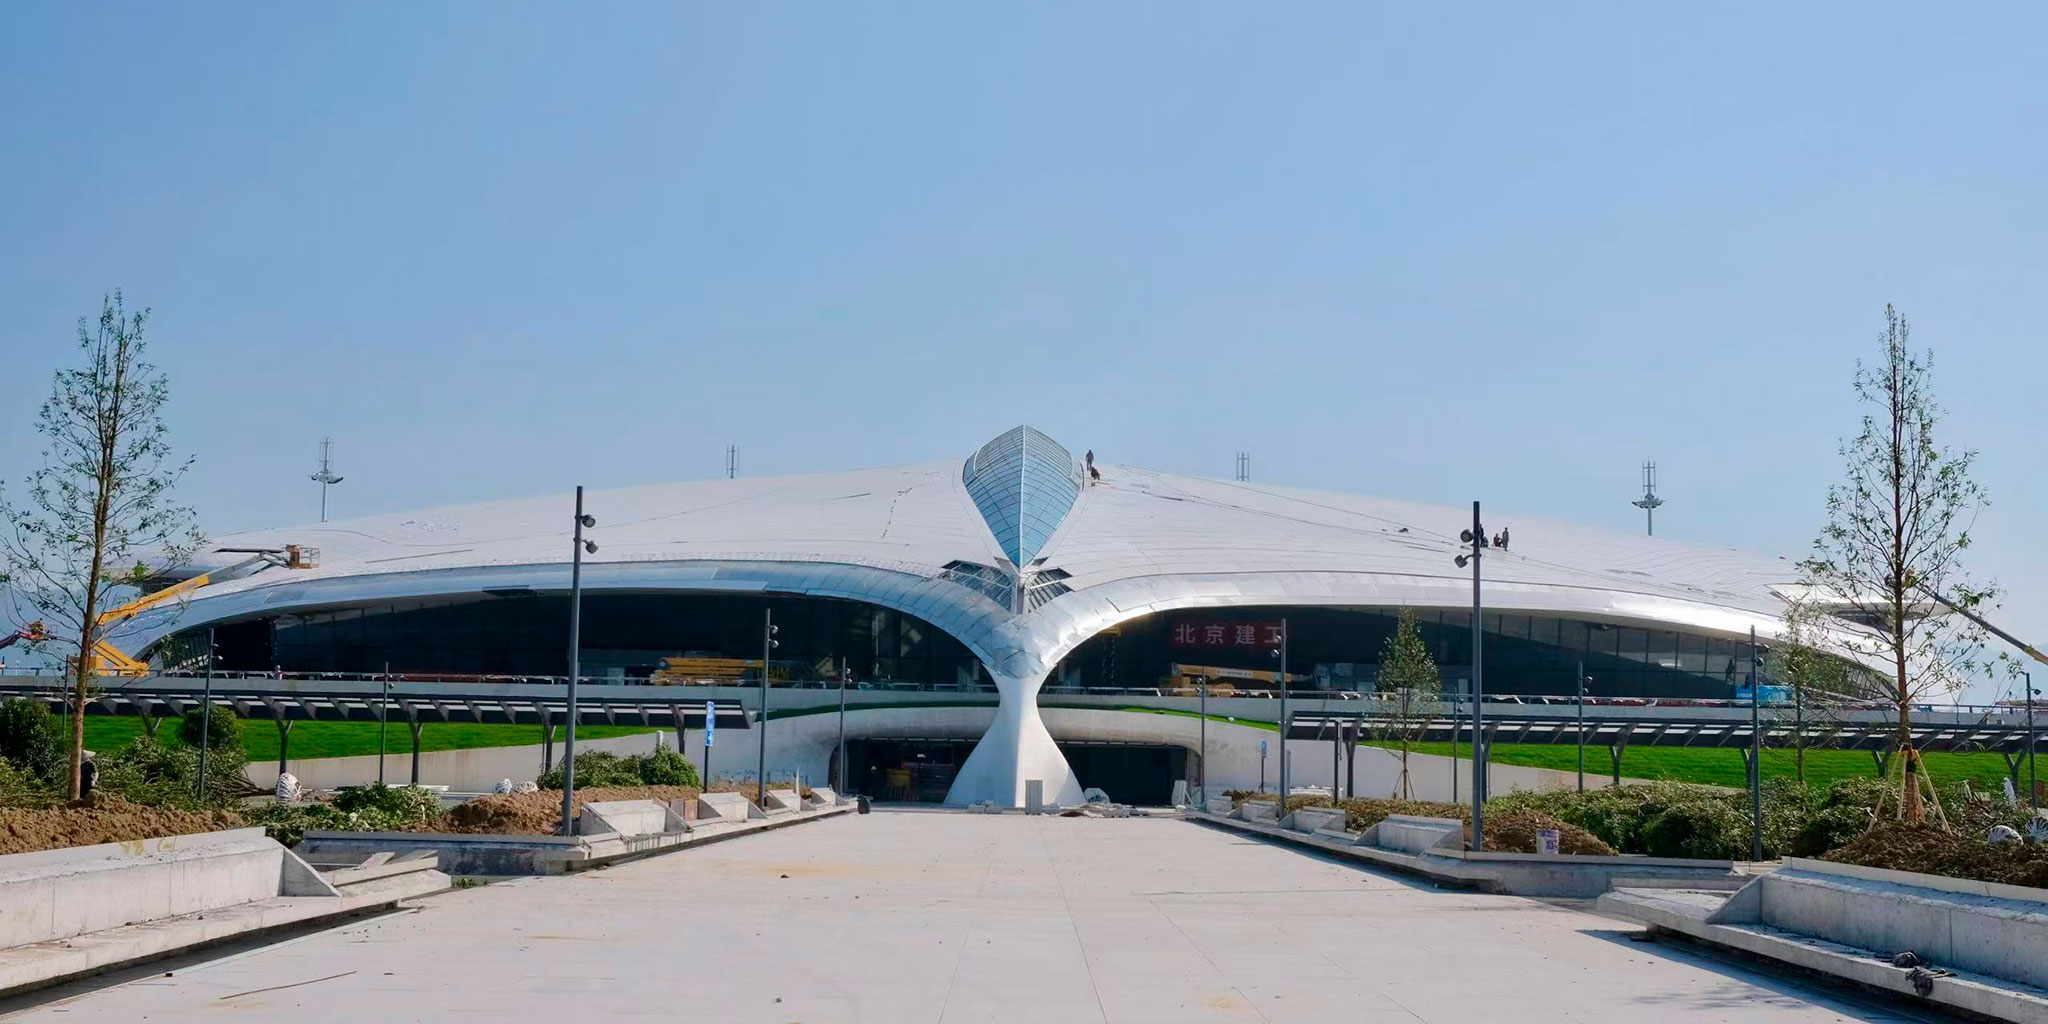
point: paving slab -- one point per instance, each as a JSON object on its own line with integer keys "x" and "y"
{"x": 905, "y": 916}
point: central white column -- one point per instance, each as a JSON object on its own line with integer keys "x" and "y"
{"x": 1015, "y": 750}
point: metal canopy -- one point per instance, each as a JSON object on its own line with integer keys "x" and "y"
{"x": 1674, "y": 728}
{"x": 362, "y": 701}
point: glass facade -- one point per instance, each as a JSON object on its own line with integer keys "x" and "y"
{"x": 625, "y": 636}
{"x": 1340, "y": 648}
{"x": 1023, "y": 482}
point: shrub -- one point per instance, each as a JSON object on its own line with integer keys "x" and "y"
{"x": 1711, "y": 829}
{"x": 1361, "y": 813}
{"x": 32, "y": 740}
{"x": 147, "y": 772}
{"x": 411, "y": 804}
{"x": 667, "y": 767}
{"x": 21, "y": 788}
{"x": 370, "y": 808}
{"x": 223, "y": 724}
{"x": 1515, "y": 832}
{"x": 594, "y": 768}
{"x": 1664, "y": 819}
{"x": 1828, "y": 828}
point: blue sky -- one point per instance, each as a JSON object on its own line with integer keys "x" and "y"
{"x": 1505, "y": 253}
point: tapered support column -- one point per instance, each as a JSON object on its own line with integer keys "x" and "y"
{"x": 1015, "y": 750}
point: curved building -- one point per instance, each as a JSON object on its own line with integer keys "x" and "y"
{"x": 1017, "y": 568}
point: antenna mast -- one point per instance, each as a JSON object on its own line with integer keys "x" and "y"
{"x": 1244, "y": 467}
{"x": 732, "y": 461}
{"x": 325, "y": 478}
{"x": 1649, "y": 501}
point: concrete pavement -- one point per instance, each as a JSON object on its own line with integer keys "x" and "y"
{"x": 951, "y": 917}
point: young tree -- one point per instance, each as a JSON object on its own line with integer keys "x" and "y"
{"x": 1897, "y": 527}
{"x": 1409, "y": 674}
{"x": 99, "y": 519}
{"x": 1823, "y": 684}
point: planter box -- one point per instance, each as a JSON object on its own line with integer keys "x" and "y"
{"x": 1847, "y": 921}
{"x": 88, "y": 909}
{"x": 1260, "y": 811}
{"x": 1999, "y": 930}
{"x": 1317, "y": 819}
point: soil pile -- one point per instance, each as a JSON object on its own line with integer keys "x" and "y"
{"x": 1361, "y": 813}
{"x": 110, "y": 820}
{"x": 539, "y": 813}
{"x": 1930, "y": 850}
{"x": 1515, "y": 832}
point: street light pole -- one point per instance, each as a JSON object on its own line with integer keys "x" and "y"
{"x": 768, "y": 646}
{"x": 1476, "y": 536}
{"x": 1756, "y": 755}
{"x": 205, "y": 716}
{"x": 842, "y": 722}
{"x": 1202, "y": 765}
{"x": 383, "y": 722}
{"x": 2033, "y": 781}
{"x": 1582, "y": 726}
{"x": 1283, "y": 717}
{"x": 576, "y": 553}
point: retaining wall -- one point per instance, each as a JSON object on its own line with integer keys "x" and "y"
{"x": 470, "y": 770}
{"x": 58, "y": 894}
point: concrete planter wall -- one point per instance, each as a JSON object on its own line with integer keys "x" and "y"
{"x": 57, "y": 894}
{"x": 1847, "y": 922}
{"x": 472, "y": 770}
{"x": 1407, "y": 833}
{"x": 1433, "y": 848}
{"x": 1316, "y": 819}
{"x": 1999, "y": 930}
{"x": 88, "y": 909}
{"x": 473, "y": 854}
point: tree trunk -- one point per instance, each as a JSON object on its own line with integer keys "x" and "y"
{"x": 1405, "y": 789}
{"x": 1909, "y": 799}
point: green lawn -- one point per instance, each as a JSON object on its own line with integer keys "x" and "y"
{"x": 340, "y": 739}
{"x": 1725, "y": 767}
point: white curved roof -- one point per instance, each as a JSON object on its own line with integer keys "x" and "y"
{"x": 1135, "y": 542}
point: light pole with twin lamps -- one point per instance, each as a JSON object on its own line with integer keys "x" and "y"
{"x": 580, "y": 548}
{"x": 1476, "y": 537}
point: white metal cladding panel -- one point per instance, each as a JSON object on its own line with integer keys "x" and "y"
{"x": 1138, "y": 523}
{"x": 1136, "y": 543}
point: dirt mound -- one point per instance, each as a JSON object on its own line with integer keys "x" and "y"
{"x": 111, "y": 820}
{"x": 539, "y": 813}
{"x": 1361, "y": 813}
{"x": 1515, "y": 832}
{"x": 1930, "y": 850}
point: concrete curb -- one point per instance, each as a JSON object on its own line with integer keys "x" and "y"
{"x": 1512, "y": 874}
{"x": 1686, "y": 916}
{"x": 297, "y": 902}
{"x": 518, "y": 855}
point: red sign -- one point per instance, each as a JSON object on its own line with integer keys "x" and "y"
{"x": 1215, "y": 633}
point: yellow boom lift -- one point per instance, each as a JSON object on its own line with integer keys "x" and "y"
{"x": 109, "y": 660}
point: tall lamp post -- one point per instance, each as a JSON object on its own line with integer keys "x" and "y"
{"x": 842, "y": 724}
{"x": 2033, "y": 781}
{"x": 1476, "y": 536}
{"x": 576, "y": 553}
{"x": 206, "y": 716}
{"x": 1202, "y": 762}
{"x": 1756, "y": 754}
{"x": 768, "y": 645}
{"x": 1582, "y": 726}
{"x": 1281, "y": 653}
